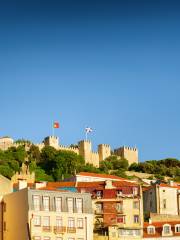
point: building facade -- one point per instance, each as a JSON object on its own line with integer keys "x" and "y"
{"x": 47, "y": 215}
{"x": 162, "y": 199}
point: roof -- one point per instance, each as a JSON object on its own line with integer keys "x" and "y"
{"x": 160, "y": 224}
{"x": 61, "y": 184}
{"x": 160, "y": 185}
{"x": 101, "y": 175}
{"x": 158, "y": 228}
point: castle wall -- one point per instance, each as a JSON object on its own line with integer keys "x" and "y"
{"x": 104, "y": 151}
{"x": 84, "y": 149}
{"x": 5, "y": 143}
{"x": 131, "y": 154}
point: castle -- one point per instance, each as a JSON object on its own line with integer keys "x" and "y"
{"x": 84, "y": 148}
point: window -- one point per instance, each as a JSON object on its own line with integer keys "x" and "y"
{"x": 59, "y": 238}
{"x": 135, "y": 190}
{"x": 119, "y": 193}
{"x": 177, "y": 228}
{"x": 59, "y": 222}
{"x": 99, "y": 208}
{"x": 71, "y": 223}
{"x": 164, "y": 203}
{"x": 46, "y": 221}
{"x": 37, "y": 220}
{"x": 37, "y": 238}
{"x": 4, "y": 226}
{"x": 58, "y": 203}
{"x": 119, "y": 206}
{"x": 80, "y": 223}
{"x": 136, "y": 218}
{"x": 151, "y": 230}
{"x": 71, "y": 239}
{"x": 99, "y": 194}
{"x": 150, "y": 203}
{"x": 46, "y": 203}
{"x": 129, "y": 232}
{"x": 36, "y": 202}
{"x": 136, "y": 232}
{"x": 164, "y": 190}
{"x": 120, "y": 219}
{"x": 166, "y": 229}
{"x": 79, "y": 205}
{"x": 4, "y": 207}
{"x": 70, "y": 205}
{"x": 135, "y": 204}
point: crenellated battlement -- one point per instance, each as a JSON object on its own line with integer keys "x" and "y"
{"x": 84, "y": 149}
{"x": 130, "y": 148}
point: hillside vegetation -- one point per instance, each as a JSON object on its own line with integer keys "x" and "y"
{"x": 55, "y": 165}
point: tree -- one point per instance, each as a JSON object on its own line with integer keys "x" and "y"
{"x": 6, "y": 171}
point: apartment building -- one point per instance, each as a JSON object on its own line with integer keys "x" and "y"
{"x": 47, "y": 214}
{"x": 162, "y": 199}
{"x": 117, "y": 207}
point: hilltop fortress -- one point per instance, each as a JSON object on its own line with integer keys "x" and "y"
{"x": 84, "y": 148}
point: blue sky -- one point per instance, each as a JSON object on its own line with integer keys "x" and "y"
{"x": 111, "y": 65}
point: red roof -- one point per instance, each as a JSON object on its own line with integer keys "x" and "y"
{"x": 61, "y": 184}
{"x": 158, "y": 229}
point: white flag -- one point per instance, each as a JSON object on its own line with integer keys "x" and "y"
{"x": 88, "y": 129}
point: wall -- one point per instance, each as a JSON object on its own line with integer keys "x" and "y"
{"x": 131, "y": 154}
{"x": 170, "y": 194}
{"x": 150, "y": 200}
{"x": 85, "y": 232}
{"x": 16, "y": 215}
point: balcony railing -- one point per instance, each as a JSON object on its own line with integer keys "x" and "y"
{"x": 71, "y": 229}
{"x": 46, "y": 228}
{"x": 59, "y": 229}
{"x": 52, "y": 208}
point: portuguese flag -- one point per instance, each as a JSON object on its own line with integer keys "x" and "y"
{"x": 56, "y": 125}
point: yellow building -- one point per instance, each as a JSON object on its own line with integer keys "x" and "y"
{"x": 47, "y": 215}
{"x": 162, "y": 199}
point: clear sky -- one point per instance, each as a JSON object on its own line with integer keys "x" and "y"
{"x": 111, "y": 65}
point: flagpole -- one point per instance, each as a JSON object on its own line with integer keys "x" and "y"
{"x": 53, "y": 128}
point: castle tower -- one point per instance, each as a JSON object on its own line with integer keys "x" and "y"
{"x": 51, "y": 141}
{"x": 85, "y": 149}
{"x": 104, "y": 151}
{"x": 131, "y": 154}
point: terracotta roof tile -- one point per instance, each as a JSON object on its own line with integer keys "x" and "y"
{"x": 101, "y": 175}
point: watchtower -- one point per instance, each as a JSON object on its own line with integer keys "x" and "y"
{"x": 104, "y": 151}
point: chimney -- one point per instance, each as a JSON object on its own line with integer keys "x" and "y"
{"x": 171, "y": 183}
{"x": 108, "y": 184}
{"x": 22, "y": 183}
{"x": 40, "y": 185}
{"x": 150, "y": 221}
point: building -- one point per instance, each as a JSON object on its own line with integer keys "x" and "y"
{"x": 94, "y": 177}
{"x": 47, "y": 214}
{"x": 117, "y": 206}
{"x": 6, "y": 142}
{"x": 161, "y": 230}
{"x": 162, "y": 199}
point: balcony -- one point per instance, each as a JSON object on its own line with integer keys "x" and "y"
{"x": 98, "y": 212}
{"x": 119, "y": 210}
{"x": 59, "y": 230}
{"x": 71, "y": 230}
{"x": 46, "y": 228}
